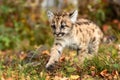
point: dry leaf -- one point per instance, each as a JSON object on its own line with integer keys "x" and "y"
{"x": 87, "y": 77}
{"x": 115, "y": 74}
{"x": 74, "y": 77}
{"x": 103, "y": 73}
{"x": 2, "y": 78}
{"x": 72, "y": 54}
{"x": 47, "y": 77}
{"x": 62, "y": 58}
{"x": 67, "y": 58}
{"x": 22, "y": 55}
{"x": 92, "y": 68}
{"x": 10, "y": 78}
{"x": 115, "y": 21}
{"x": 93, "y": 73}
{"x": 110, "y": 77}
{"x": 57, "y": 78}
{"x": 60, "y": 78}
{"x": 45, "y": 52}
{"x": 28, "y": 78}
{"x": 64, "y": 78}
{"x": 41, "y": 74}
{"x": 105, "y": 28}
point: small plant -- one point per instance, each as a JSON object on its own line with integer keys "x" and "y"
{"x": 106, "y": 59}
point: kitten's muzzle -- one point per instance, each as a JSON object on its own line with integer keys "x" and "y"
{"x": 59, "y": 34}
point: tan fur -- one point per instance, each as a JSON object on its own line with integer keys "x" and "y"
{"x": 82, "y": 35}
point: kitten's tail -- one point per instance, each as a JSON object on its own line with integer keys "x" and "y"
{"x": 109, "y": 39}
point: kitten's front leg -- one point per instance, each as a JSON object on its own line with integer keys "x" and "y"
{"x": 56, "y": 52}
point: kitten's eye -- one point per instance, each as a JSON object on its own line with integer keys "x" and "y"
{"x": 53, "y": 26}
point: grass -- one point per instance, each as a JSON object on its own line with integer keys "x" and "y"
{"x": 31, "y": 65}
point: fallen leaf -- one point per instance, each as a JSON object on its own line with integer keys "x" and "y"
{"x": 105, "y": 28}
{"x": 47, "y": 77}
{"x": 57, "y": 78}
{"x": 93, "y": 73}
{"x": 92, "y": 68}
{"x": 22, "y": 55}
{"x": 72, "y": 54}
{"x": 103, "y": 73}
{"x": 115, "y": 21}
{"x": 60, "y": 78}
{"x": 45, "y": 52}
{"x": 41, "y": 74}
{"x": 110, "y": 77}
{"x": 87, "y": 77}
{"x": 28, "y": 78}
{"x": 2, "y": 78}
{"x": 10, "y": 78}
{"x": 115, "y": 74}
{"x": 115, "y": 77}
{"x": 67, "y": 58}
{"x": 74, "y": 77}
{"x": 62, "y": 58}
{"x": 64, "y": 78}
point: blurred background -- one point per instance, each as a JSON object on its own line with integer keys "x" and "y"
{"x": 24, "y": 24}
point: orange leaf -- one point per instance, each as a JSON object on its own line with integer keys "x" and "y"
{"x": 9, "y": 78}
{"x": 105, "y": 27}
{"x": 62, "y": 59}
{"x": 115, "y": 21}
{"x": 103, "y": 73}
{"x": 45, "y": 52}
{"x": 110, "y": 77}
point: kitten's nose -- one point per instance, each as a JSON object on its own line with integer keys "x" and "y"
{"x": 57, "y": 34}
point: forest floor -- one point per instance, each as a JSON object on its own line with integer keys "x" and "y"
{"x": 30, "y": 65}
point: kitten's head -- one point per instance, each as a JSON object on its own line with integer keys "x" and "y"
{"x": 61, "y": 22}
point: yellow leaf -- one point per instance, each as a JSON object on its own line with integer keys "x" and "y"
{"x": 2, "y": 78}
{"x": 92, "y": 68}
{"x": 72, "y": 54}
{"x": 74, "y": 77}
{"x": 67, "y": 58}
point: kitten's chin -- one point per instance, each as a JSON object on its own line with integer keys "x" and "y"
{"x": 59, "y": 37}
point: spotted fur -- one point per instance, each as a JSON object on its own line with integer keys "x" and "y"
{"x": 81, "y": 34}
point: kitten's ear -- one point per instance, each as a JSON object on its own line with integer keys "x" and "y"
{"x": 50, "y": 15}
{"x": 73, "y": 16}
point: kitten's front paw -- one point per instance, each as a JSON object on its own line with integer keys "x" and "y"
{"x": 50, "y": 67}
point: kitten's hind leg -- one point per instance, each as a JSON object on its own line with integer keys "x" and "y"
{"x": 83, "y": 54}
{"x": 95, "y": 46}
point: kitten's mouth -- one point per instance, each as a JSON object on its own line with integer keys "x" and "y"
{"x": 59, "y": 34}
